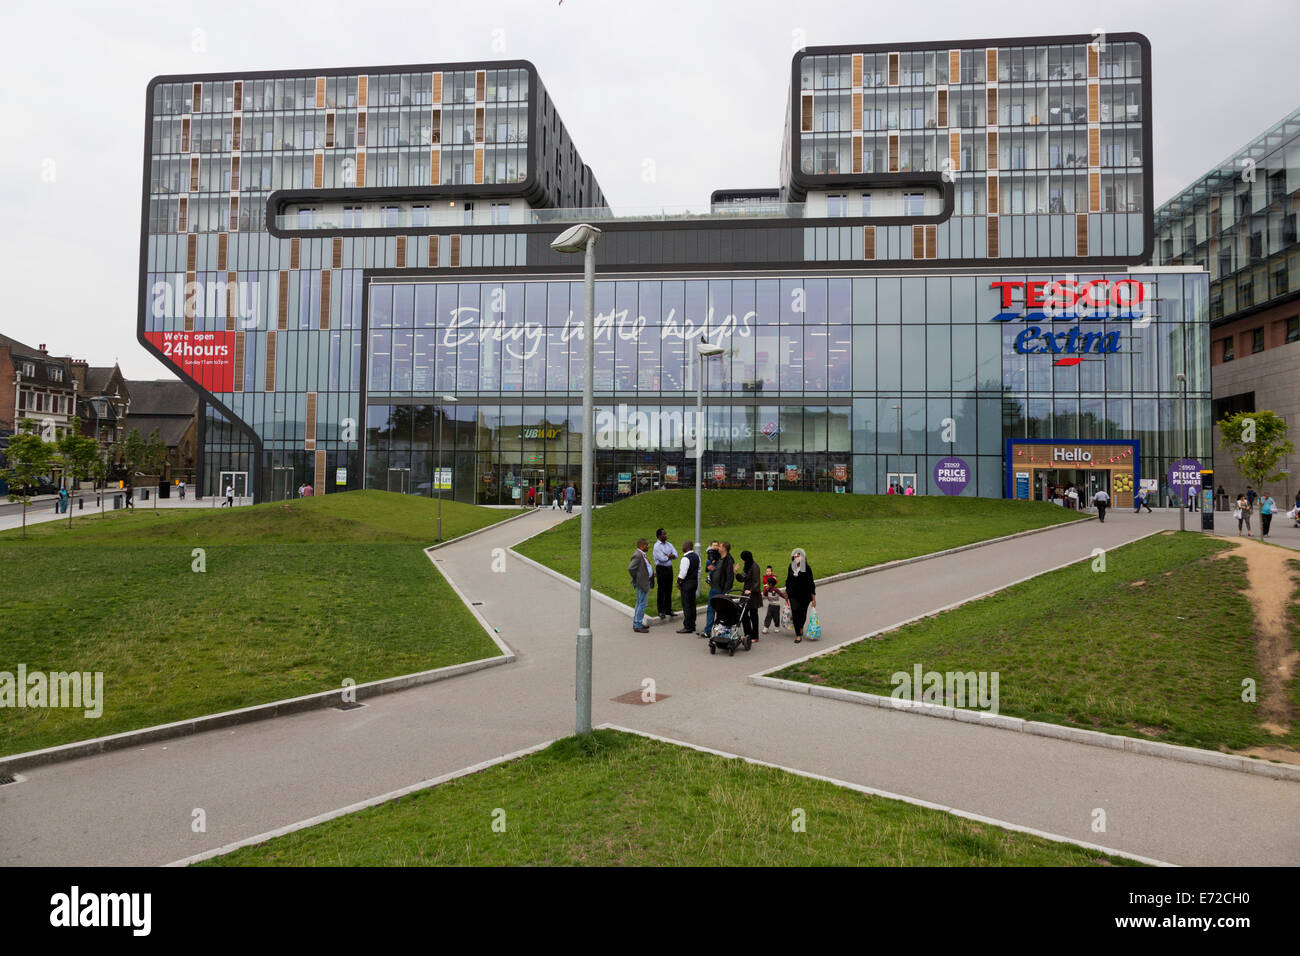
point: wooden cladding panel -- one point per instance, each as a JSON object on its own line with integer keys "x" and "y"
{"x": 437, "y": 88}
{"x": 232, "y": 299}
{"x": 868, "y": 242}
{"x": 295, "y": 253}
{"x": 1094, "y": 103}
{"x": 234, "y": 174}
{"x": 270, "y": 361}
{"x": 401, "y": 252}
{"x": 806, "y": 114}
{"x": 361, "y": 169}
{"x": 993, "y": 149}
{"x": 893, "y": 69}
{"x": 433, "y": 252}
{"x": 336, "y": 255}
{"x": 329, "y": 130}
{"x": 954, "y": 150}
{"x": 993, "y": 194}
{"x": 480, "y": 86}
{"x": 1081, "y": 234}
{"x": 194, "y": 174}
{"x": 435, "y": 126}
{"x": 191, "y": 299}
{"x": 223, "y": 246}
{"x": 239, "y": 361}
{"x": 992, "y": 103}
{"x": 234, "y": 213}
{"x": 318, "y": 170}
{"x": 991, "y": 64}
{"x": 1094, "y": 147}
{"x": 185, "y": 135}
{"x": 992, "y": 237}
{"x": 363, "y": 89}
{"x": 309, "y": 418}
{"x": 239, "y": 95}
{"x": 191, "y": 252}
{"x": 320, "y": 472}
{"x": 361, "y": 130}
{"x": 478, "y": 125}
{"x": 954, "y": 66}
{"x": 857, "y": 111}
{"x": 918, "y": 242}
{"x": 197, "y": 106}
{"x": 931, "y": 241}
{"x": 435, "y": 167}
{"x": 478, "y": 165}
{"x": 236, "y": 132}
{"x": 282, "y": 302}
{"x": 325, "y": 298}
{"x": 857, "y": 154}
{"x": 454, "y": 251}
{"x": 183, "y": 215}
{"x": 320, "y": 92}
{"x": 857, "y": 69}
{"x": 941, "y": 108}
{"x": 1094, "y": 192}
{"x": 893, "y": 152}
{"x": 1094, "y": 61}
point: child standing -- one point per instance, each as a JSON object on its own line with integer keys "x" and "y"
{"x": 772, "y": 595}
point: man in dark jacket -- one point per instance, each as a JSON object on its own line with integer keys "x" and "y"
{"x": 639, "y": 570}
{"x": 722, "y": 578}
{"x": 688, "y": 580}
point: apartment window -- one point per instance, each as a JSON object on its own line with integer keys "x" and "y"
{"x": 29, "y": 369}
{"x": 913, "y": 204}
{"x": 56, "y": 374}
{"x": 469, "y": 213}
{"x": 1228, "y": 355}
{"x": 500, "y": 213}
{"x": 388, "y": 216}
{"x": 306, "y": 218}
{"x": 866, "y": 204}
{"x": 1257, "y": 340}
{"x": 1293, "y": 329}
{"x": 351, "y": 217}
{"x": 837, "y": 205}
{"x": 419, "y": 215}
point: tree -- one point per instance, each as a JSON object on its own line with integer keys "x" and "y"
{"x": 78, "y": 454}
{"x": 29, "y": 457}
{"x": 134, "y": 456}
{"x": 1257, "y": 442}
{"x": 155, "y": 457}
{"x": 99, "y": 471}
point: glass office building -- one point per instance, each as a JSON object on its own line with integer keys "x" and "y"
{"x": 978, "y": 279}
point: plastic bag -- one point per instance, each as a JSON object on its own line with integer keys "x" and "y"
{"x": 814, "y": 629}
{"x": 787, "y": 617}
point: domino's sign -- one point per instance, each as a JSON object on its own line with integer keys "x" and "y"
{"x": 1048, "y": 302}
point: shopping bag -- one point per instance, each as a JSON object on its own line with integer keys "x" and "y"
{"x": 1236, "y": 513}
{"x": 787, "y": 618}
{"x": 814, "y": 629}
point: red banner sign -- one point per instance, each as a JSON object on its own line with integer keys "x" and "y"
{"x": 206, "y": 357}
{"x": 791, "y": 472}
{"x": 840, "y": 472}
{"x": 719, "y": 472}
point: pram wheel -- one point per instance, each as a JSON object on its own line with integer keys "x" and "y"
{"x": 713, "y": 648}
{"x": 748, "y": 643}
{"x": 731, "y": 651}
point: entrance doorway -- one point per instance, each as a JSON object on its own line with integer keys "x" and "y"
{"x": 399, "y": 480}
{"x": 903, "y": 480}
{"x": 281, "y": 483}
{"x": 238, "y": 480}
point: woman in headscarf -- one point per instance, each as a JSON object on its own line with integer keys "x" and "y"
{"x": 800, "y": 589}
{"x": 751, "y": 580}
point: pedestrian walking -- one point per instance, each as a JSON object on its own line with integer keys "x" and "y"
{"x": 1102, "y": 501}
{"x": 130, "y": 497}
{"x": 1266, "y": 508}
{"x": 772, "y": 597}
{"x": 801, "y": 590}
{"x": 664, "y": 553}
{"x": 569, "y": 494}
{"x": 230, "y": 497}
{"x": 722, "y": 578}
{"x": 1141, "y": 501}
{"x": 688, "y": 581}
{"x": 1251, "y": 495}
{"x": 1297, "y": 509}
{"x": 63, "y": 501}
{"x": 1242, "y": 514}
{"x": 182, "y": 490}
{"x": 639, "y": 570}
{"x": 532, "y": 497}
{"x": 751, "y": 583}
{"x": 1072, "y": 499}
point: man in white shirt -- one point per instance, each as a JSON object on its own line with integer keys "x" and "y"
{"x": 1102, "y": 501}
{"x": 664, "y": 553}
{"x": 688, "y": 579}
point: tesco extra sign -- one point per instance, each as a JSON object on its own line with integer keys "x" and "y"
{"x": 1050, "y": 301}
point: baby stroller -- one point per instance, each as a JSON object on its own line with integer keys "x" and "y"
{"x": 728, "y": 633}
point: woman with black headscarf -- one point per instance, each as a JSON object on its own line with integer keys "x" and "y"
{"x": 751, "y": 578}
{"x": 800, "y": 589}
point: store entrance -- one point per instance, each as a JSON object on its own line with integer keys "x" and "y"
{"x": 900, "y": 482}
{"x": 1053, "y": 484}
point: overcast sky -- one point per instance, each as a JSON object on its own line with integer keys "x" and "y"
{"x": 693, "y": 91}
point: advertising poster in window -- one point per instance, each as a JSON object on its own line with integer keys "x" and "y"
{"x": 206, "y": 357}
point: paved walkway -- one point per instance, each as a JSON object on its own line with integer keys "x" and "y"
{"x": 135, "y": 807}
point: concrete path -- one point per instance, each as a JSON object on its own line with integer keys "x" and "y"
{"x": 136, "y": 807}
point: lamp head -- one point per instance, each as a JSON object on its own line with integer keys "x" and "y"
{"x": 576, "y": 238}
{"x": 708, "y": 349}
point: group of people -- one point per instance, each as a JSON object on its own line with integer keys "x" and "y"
{"x": 719, "y": 571}
{"x": 562, "y": 497}
{"x": 1245, "y": 507}
{"x": 305, "y": 490}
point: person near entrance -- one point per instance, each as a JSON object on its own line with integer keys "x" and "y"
{"x": 1102, "y": 501}
{"x": 664, "y": 553}
{"x": 1242, "y": 514}
{"x": 532, "y": 496}
{"x": 569, "y": 494}
{"x": 1140, "y": 502}
{"x": 1072, "y": 499}
{"x": 688, "y": 580}
{"x": 639, "y": 571}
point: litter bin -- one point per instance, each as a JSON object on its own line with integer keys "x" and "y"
{"x": 164, "y": 490}
{"x": 117, "y": 502}
{"x": 144, "y": 494}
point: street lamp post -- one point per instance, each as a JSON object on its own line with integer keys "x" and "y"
{"x": 1182, "y": 429}
{"x": 705, "y": 350}
{"x": 437, "y": 480}
{"x": 583, "y": 238}
{"x": 899, "y": 410}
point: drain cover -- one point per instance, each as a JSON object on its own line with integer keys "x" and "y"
{"x": 634, "y": 697}
{"x": 7, "y": 778}
{"x": 348, "y": 706}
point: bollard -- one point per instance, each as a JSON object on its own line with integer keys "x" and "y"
{"x": 81, "y": 504}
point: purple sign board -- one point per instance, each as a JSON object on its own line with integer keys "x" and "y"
{"x": 1185, "y": 477}
{"x": 952, "y": 474}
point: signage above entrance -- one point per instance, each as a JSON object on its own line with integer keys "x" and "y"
{"x": 1065, "y": 300}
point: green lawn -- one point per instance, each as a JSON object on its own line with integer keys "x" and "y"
{"x": 1162, "y": 659}
{"x": 587, "y": 803}
{"x": 839, "y": 532}
{"x": 296, "y": 597}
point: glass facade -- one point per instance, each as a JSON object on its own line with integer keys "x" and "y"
{"x": 827, "y": 383}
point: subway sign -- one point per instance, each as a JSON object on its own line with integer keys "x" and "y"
{"x": 1048, "y": 302}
